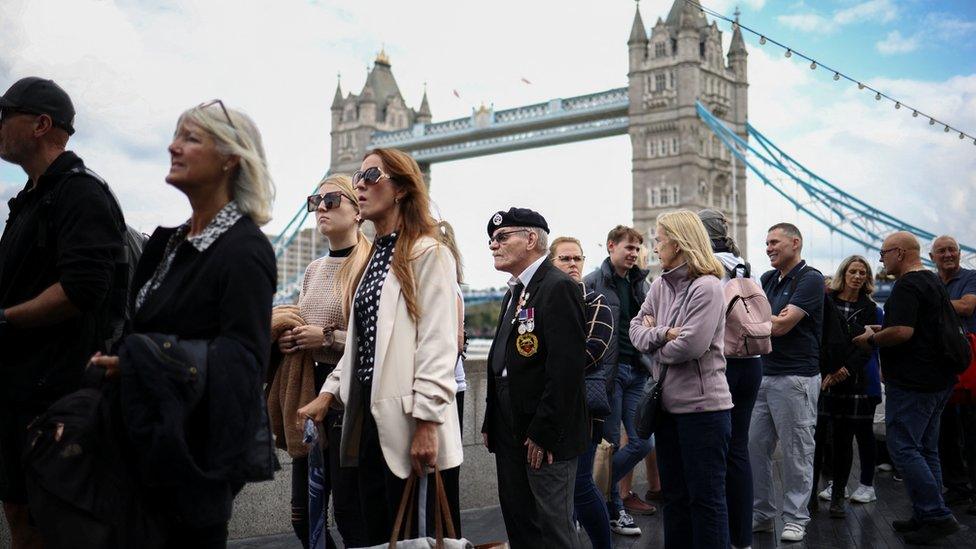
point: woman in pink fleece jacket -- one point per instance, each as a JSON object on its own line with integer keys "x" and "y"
{"x": 682, "y": 324}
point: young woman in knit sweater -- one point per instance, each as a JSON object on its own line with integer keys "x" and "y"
{"x": 324, "y": 304}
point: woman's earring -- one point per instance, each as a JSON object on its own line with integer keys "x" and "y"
{"x": 396, "y": 199}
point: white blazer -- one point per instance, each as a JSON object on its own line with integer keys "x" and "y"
{"x": 413, "y": 372}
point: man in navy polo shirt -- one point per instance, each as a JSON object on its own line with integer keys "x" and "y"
{"x": 786, "y": 407}
{"x": 957, "y": 436}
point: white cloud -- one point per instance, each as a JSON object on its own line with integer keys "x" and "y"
{"x": 726, "y": 7}
{"x": 937, "y": 28}
{"x": 894, "y": 43}
{"x": 133, "y": 68}
{"x": 807, "y": 22}
{"x": 883, "y": 11}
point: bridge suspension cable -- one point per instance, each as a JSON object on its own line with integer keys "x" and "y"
{"x": 832, "y": 207}
{"x": 838, "y": 75}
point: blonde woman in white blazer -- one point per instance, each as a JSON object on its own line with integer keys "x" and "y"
{"x": 396, "y": 378}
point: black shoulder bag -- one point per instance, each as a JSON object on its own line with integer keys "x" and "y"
{"x": 650, "y": 404}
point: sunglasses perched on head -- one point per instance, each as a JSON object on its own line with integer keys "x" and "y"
{"x": 330, "y": 200}
{"x": 222, "y": 107}
{"x": 371, "y": 176}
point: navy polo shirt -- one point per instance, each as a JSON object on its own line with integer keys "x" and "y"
{"x": 963, "y": 283}
{"x": 796, "y": 353}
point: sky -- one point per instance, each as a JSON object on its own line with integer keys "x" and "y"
{"x": 132, "y": 67}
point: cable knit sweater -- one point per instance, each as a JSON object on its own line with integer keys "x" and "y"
{"x": 320, "y": 304}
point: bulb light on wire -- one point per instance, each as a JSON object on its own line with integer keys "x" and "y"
{"x": 878, "y": 96}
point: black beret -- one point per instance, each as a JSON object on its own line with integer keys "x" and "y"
{"x": 516, "y": 217}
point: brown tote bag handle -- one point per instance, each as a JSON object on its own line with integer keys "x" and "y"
{"x": 442, "y": 512}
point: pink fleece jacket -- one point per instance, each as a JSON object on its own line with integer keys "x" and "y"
{"x": 696, "y": 374}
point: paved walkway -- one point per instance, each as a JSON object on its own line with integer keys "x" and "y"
{"x": 866, "y": 526}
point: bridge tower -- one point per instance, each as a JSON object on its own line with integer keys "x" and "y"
{"x": 379, "y": 107}
{"x": 677, "y": 161}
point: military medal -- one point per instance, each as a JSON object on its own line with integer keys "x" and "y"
{"x": 527, "y": 344}
{"x": 530, "y": 319}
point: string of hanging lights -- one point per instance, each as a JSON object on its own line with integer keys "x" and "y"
{"x": 789, "y": 52}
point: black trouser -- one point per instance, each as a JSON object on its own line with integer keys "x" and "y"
{"x": 957, "y": 447}
{"x": 844, "y": 431}
{"x": 744, "y": 376}
{"x": 380, "y": 490}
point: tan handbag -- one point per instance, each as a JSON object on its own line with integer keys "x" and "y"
{"x": 602, "y": 465}
{"x": 442, "y": 521}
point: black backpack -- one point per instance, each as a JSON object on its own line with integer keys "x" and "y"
{"x": 119, "y": 316}
{"x": 955, "y": 353}
{"x": 82, "y": 492}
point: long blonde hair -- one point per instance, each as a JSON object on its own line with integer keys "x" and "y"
{"x": 251, "y": 184}
{"x": 688, "y": 232}
{"x": 839, "y": 281}
{"x": 346, "y": 278}
{"x": 446, "y": 237}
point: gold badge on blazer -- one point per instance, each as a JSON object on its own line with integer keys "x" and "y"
{"x": 527, "y": 344}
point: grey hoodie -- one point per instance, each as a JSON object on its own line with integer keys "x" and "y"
{"x": 696, "y": 375}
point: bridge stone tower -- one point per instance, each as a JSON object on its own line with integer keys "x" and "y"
{"x": 379, "y": 107}
{"x": 677, "y": 161}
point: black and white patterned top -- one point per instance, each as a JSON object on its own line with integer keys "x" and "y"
{"x": 225, "y": 219}
{"x": 366, "y": 304}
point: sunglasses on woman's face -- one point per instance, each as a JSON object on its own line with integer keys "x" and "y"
{"x": 371, "y": 176}
{"x": 330, "y": 200}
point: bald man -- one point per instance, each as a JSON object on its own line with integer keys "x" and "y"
{"x": 957, "y": 437}
{"x": 917, "y": 386}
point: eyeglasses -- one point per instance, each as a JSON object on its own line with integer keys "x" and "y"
{"x": 502, "y": 237}
{"x": 571, "y": 258}
{"x": 883, "y": 252}
{"x": 213, "y": 102}
{"x": 331, "y": 200}
{"x": 371, "y": 176}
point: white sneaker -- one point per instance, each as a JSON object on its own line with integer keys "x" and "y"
{"x": 886, "y": 467}
{"x": 827, "y": 492}
{"x": 624, "y": 525}
{"x": 864, "y": 494}
{"x": 793, "y": 532}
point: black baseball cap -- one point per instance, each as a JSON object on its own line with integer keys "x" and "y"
{"x": 517, "y": 217}
{"x": 39, "y": 96}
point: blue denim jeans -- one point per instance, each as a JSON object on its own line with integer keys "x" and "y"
{"x": 628, "y": 389}
{"x": 912, "y": 432}
{"x": 691, "y": 455}
{"x": 588, "y": 503}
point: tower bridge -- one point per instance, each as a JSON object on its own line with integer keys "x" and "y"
{"x": 685, "y": 108}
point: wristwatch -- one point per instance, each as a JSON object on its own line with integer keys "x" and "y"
{"x": 328, "y": 336}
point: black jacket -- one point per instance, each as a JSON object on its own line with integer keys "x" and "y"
{"x": 222, "y": 295}
{"x": 601, "y": 281}
{"x": 854, "y": 359}
{"x": 547, "y": 392}
{"x": 64, "y": 230}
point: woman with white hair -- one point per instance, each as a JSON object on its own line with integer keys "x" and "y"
{"x": 210, "y": 279}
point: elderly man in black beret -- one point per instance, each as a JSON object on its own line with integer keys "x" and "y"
{"x": 535, "y": 422}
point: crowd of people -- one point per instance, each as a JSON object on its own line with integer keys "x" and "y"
{"x": 145, "y": 381}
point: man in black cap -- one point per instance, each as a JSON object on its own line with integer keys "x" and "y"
{"x": 535, "y": 422}
{"x": 57, "y": 257}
